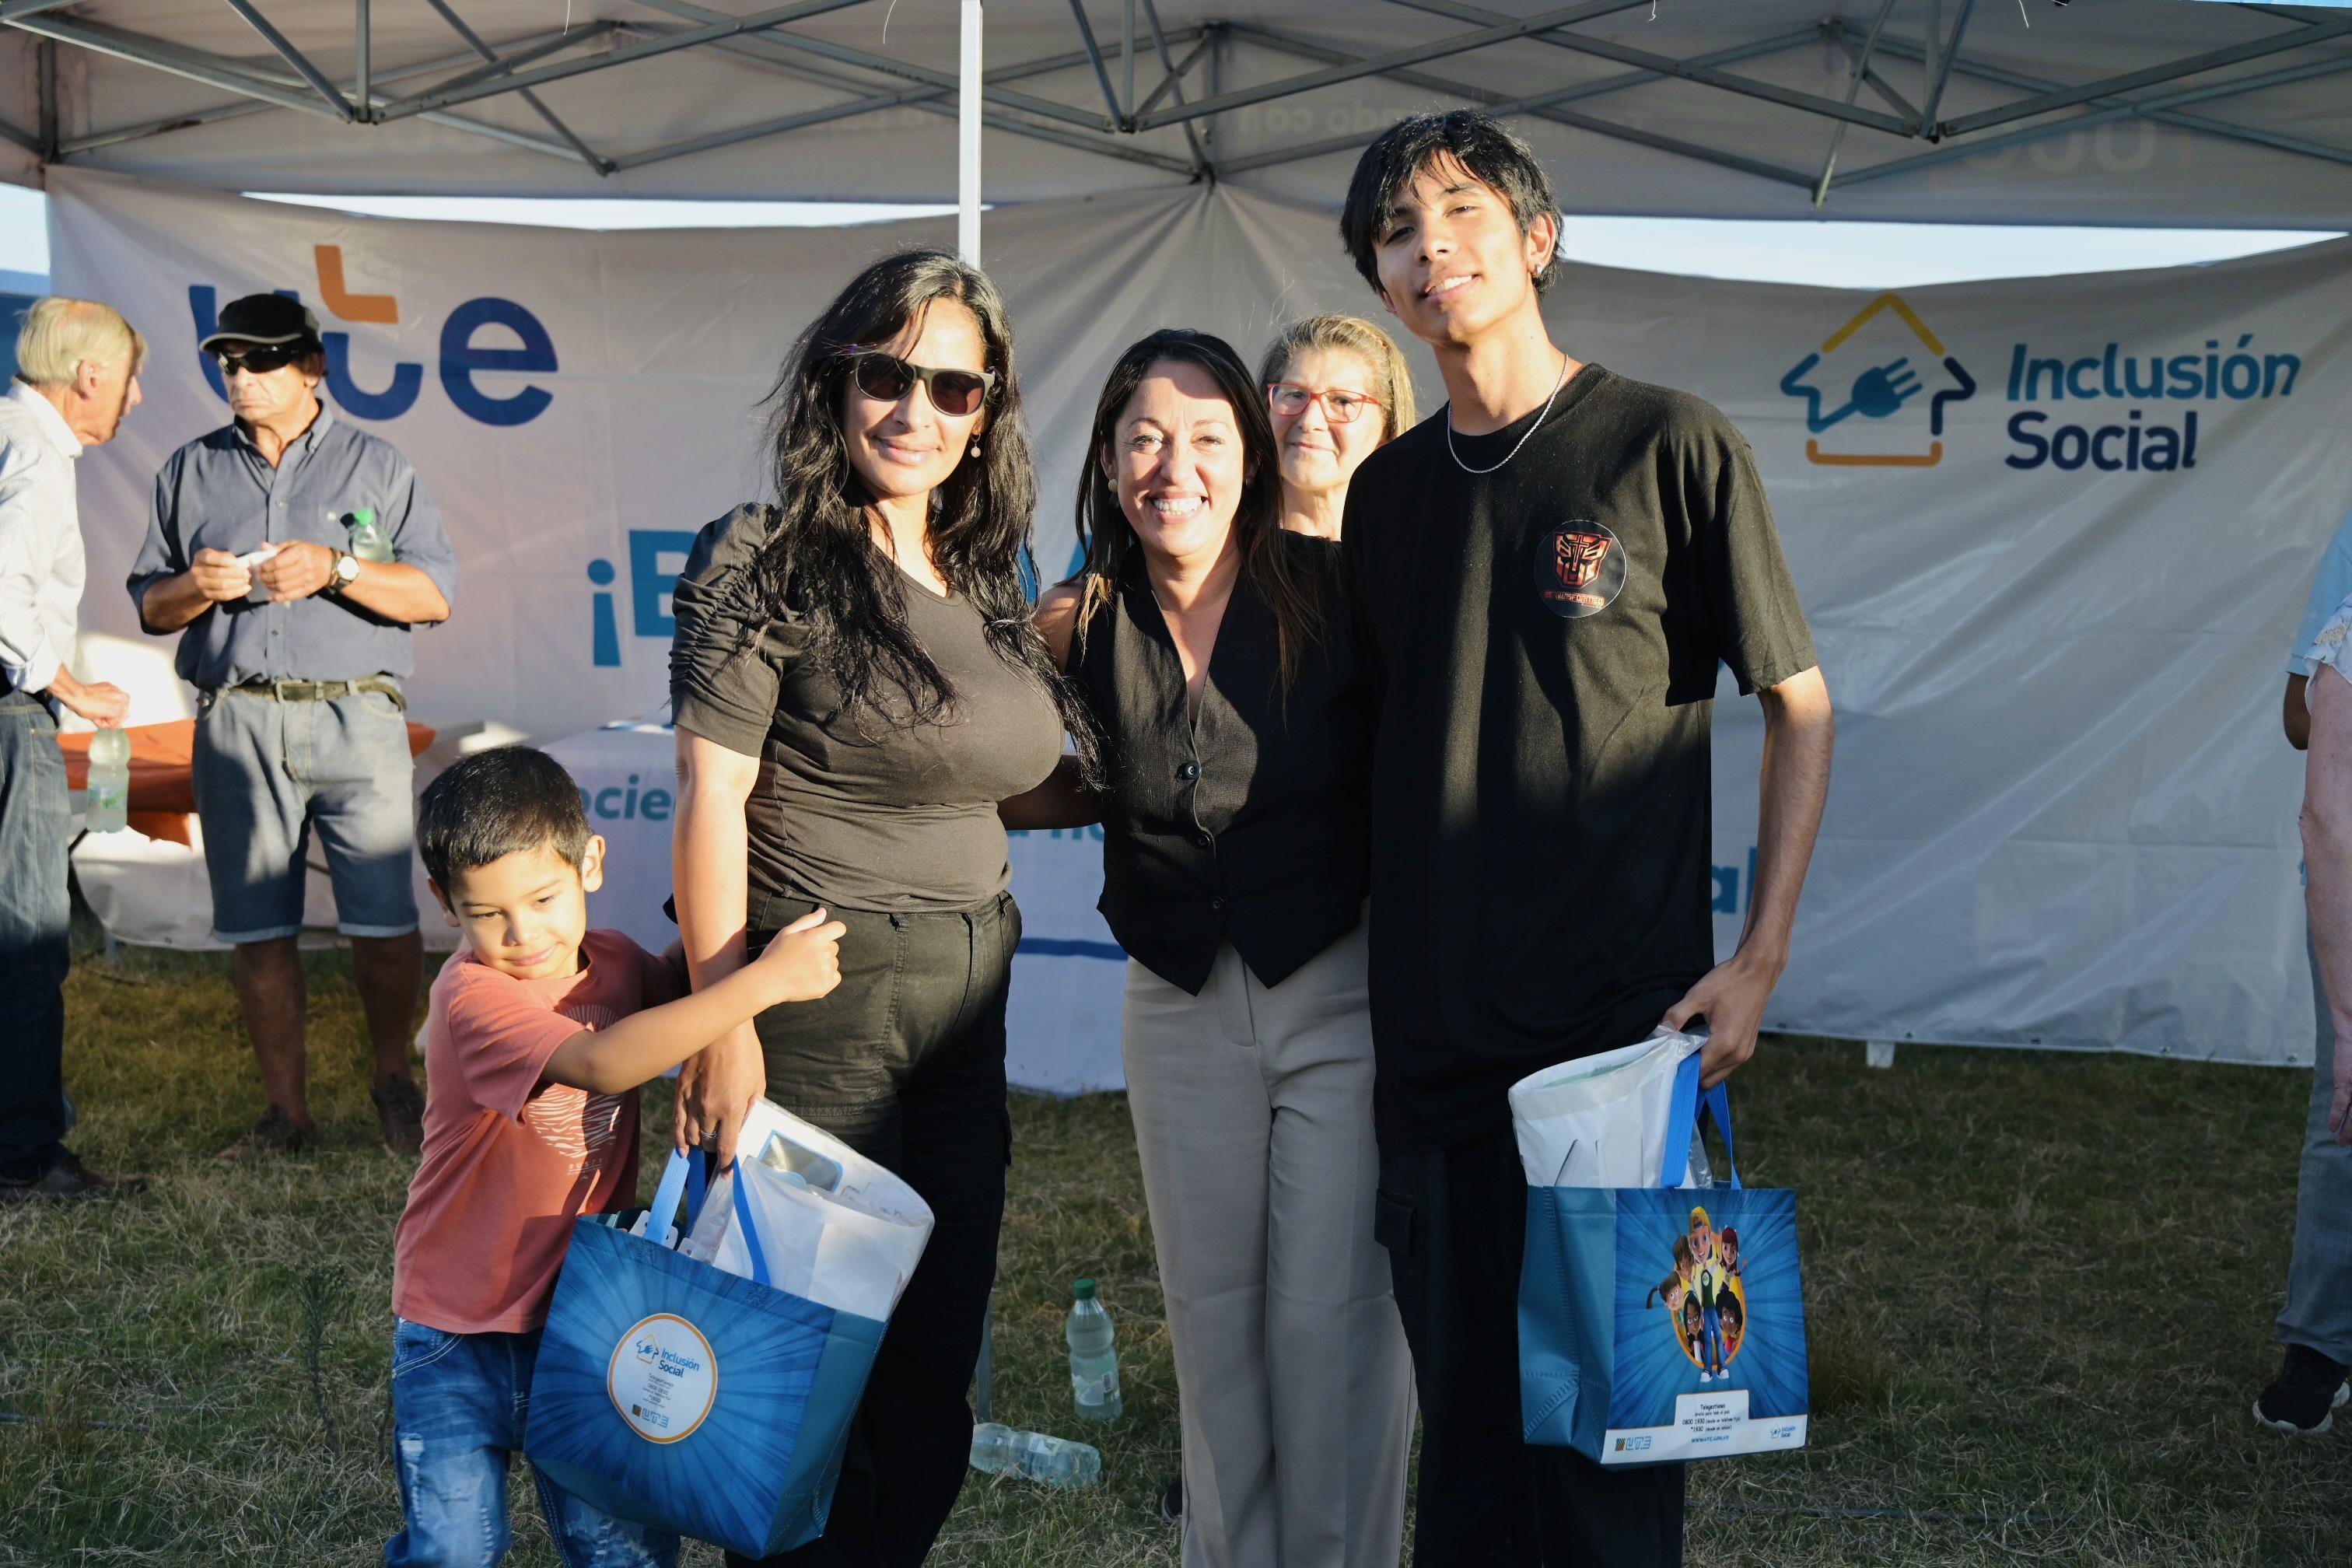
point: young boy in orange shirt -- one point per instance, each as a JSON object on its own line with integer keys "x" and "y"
{"x": 540, "y": 1032}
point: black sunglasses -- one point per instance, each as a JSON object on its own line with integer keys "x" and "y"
{"x": 886, "y": 378}
{"x": 257, "y": 362}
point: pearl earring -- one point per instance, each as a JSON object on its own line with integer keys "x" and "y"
{"x": 975, "y": 448}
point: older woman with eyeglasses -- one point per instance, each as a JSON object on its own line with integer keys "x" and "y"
{"x": 1339, "y": 389}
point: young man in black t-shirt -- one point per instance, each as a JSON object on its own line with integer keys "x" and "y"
{"x": 1545, "y": 574}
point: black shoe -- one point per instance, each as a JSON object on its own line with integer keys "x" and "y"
{"x": 275, "y": 1133}
{"x": 2304, "y": 1397}
{"x": 1171, "y": 1502}
{"x": 400, "y": 1116}
{"x": 69, "y": 1178}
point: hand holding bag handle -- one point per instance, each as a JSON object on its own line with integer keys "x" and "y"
{"x": 1682, "y": 1123}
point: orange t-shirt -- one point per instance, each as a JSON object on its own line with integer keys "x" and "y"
{"x": 512, "y": 1160}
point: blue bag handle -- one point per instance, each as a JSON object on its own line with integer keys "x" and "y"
{"x": 1682, "y": 1123}
{"x": 750, "y": 1232}
{"x": 688, "y": 1177}
{"x": 663, "y": 1212}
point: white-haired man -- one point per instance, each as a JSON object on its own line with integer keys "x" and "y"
{"x": 78, "y": 365}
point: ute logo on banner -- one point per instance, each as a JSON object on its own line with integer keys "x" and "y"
{"x": 1882, "y": 389}
{"x": 461, "y": 357}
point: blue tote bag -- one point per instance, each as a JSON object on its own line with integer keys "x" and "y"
{"x": 681, "y": 1395}
{"x": 1663, "y": 1323}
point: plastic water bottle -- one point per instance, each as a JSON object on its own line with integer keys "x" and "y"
{"x": 999, "y": 1450}
{"x": 109, "y": 781}
{"x": 369, "y": 541}
{"x": 1093, "y": 1362}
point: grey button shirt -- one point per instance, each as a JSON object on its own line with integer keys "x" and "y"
{"x": 219, "y": 493}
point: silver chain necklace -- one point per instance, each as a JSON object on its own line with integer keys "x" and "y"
{"x": 1522, "y": 441}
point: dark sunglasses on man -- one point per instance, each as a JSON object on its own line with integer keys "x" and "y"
{"x": 886, "y": 378}
{"x": 258, "y": 362}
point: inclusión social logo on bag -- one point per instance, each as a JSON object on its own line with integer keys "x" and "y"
{"x": 663, "y": 1377}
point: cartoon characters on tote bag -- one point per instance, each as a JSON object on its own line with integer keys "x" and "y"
{"x": 1705, "y": 1296}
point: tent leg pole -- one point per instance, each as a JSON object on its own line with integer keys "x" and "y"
{"x": 361, "y": 66}
{"x": 968, "y": 107}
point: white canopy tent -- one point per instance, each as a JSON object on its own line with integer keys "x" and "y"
{"x": 2131, "y": 112}
{"x": 2062, "y": 818}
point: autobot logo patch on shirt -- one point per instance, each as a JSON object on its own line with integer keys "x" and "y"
{"x": 1579, "y": 569}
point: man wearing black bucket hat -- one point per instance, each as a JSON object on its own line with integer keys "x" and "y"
{"x": 293, "y": 551}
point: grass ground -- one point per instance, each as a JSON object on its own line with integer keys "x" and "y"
{"x": 2041, "y": 1290}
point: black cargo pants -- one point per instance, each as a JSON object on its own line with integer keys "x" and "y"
{"x": 905, "y": 1062}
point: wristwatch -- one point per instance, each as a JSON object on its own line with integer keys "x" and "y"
{"x": 347, "y": 572}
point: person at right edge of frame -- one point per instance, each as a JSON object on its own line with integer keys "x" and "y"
{"x": 2314, "y": 1325}
{"x": 1545, "y": 573}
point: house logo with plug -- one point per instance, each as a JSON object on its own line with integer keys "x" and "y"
{"x": 1867, "y": 394}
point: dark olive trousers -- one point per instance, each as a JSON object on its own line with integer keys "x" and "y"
{"x": 905, "y": 1062}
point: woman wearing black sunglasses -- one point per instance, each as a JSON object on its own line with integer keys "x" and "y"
{"x": 856, "y": 683}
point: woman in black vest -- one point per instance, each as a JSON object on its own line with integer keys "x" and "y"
{"x": 857, "y": 682}
{"x": 1213, "y": 650}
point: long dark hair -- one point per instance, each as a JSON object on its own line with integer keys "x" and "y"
{"x": 820, "y": 558}
{"x": 1108, "y": 537}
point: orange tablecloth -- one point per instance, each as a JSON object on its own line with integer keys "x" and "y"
{"x": 163, "y": 793}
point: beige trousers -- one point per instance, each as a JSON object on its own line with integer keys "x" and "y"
{"x": 1252, "y": 1108}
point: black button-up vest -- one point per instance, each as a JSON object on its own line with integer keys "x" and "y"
{"x": 1245, "y": 824}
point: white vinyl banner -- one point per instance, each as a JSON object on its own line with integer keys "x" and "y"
{"x": 2053, "y": 535}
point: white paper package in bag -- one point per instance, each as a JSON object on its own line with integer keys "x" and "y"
{"x": 834, "y": 1227}
{"x": 1601, "y": 1121}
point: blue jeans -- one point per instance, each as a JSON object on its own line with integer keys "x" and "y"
{"x": 2319, "y": 1314}
{"x": 34, "y": 915}
{"x": 459, "y": 1404}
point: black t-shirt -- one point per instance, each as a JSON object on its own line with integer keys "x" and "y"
{"x": 1544, "y": 642}
{"x": 856, "y": 812}
{"x": 1245, "y": 823}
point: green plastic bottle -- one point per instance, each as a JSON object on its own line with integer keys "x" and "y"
{"x": 369, "y": 541}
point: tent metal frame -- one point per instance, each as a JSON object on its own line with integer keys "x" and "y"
{"x": 1907, "y": 39}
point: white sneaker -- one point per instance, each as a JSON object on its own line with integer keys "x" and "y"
{"x": 1706, "y": 1377}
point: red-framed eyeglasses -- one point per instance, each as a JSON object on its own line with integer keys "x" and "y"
{"x": 1289, "y": 400}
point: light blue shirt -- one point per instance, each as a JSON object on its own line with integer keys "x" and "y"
{"x": 2330, "y": 586}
